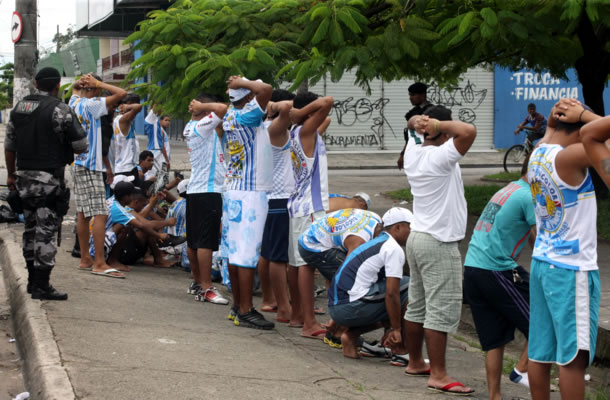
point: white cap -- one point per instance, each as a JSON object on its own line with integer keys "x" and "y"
{"x": 238, "y": 94}
{"x": 183, "y": 185}
{"x": 365, "y": 197}
{"x": 397, "y": 214}
{"x": 121, "y": 178}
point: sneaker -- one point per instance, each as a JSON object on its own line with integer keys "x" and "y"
{"x": 171, "y": 241}
{"x": 233, "y": 313}
{"x": 332, "y": 341}
{"x": 194, "y": 288}
{"x": 212, "y": 295}
{"x": 375, "y": 349}
{"x": 253, "y": 319}
{"x": 319, "y": 291}
{"x": 520, "y": 378}
{"x": 400, "y": 360}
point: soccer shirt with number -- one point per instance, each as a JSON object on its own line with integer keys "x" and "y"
{"x": 89, "y": 112}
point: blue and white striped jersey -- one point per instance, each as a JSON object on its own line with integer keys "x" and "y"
{"x": 89, "y": 112}
{"x": 206, "y": 154}
{"x": 152, "y": 128}
{"x": 178, "y": 211}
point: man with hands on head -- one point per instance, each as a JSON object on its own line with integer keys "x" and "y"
{"x": 89, "y": 166}
{"x": 249, "y": 177}
{"x": 204, "y": 193}
{"x": 595, "y": 138}
{"x": 126, "y": 146}
{"x": 564, "y": 278}
{"x": 308, "y": 202}
{"x": 439, "y": 222}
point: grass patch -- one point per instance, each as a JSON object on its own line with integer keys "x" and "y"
{"x": 401, "y": 194}
{"x": 601, "y": 392}
{"x": 477, "y": 197}
{"x": 508, "y": 365}
{"x": 504, "y": 176}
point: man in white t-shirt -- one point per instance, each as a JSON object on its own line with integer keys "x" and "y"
{"x": 126, "y": 146}
{"x": 204, "y": 194}
{"x": 369, "y": 291}
{"x": 439, "y": 208}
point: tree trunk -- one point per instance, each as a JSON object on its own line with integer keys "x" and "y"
{"x": 592, "y": 70}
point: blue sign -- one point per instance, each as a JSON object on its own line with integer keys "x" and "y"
{"x": 514, "y": 90}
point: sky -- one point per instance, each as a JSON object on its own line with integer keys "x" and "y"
{"x": 50, "y": 14}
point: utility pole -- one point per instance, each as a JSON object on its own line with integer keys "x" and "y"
{"x": 26, "y": 52}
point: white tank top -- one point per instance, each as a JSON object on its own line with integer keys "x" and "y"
{"x": 310, "y": 175}
{"x": 283, "y": 177}
{"x": 126, "y": 148}
{"x": 566, "y": 215}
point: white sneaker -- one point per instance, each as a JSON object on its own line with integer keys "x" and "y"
{"x": 213, "y": 296}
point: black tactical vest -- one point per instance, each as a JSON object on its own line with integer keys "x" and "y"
{"x": 38, "y": 146}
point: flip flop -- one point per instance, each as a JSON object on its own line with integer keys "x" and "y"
{"x": 319, "y": 335}
{"x": 420, "y": 373}
{"x": 89, "y": 268}
{"x": 283, "y": 320}
{"x": 318, "y": 311}
{"x": 269, "y": 309}
{"x": 295, "y": 325}
{"x": 109, "y": 273}
{"x": 446, "y": 389}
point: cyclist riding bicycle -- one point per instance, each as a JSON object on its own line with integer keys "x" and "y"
{"x": 537, "y": 124}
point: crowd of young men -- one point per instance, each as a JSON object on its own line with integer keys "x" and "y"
{"x": 258, "y": 192}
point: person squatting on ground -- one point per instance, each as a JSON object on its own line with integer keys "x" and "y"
{"x": 41, "y": 138}
{"x": 369, "y": 290}
{"x": 89, "y": 167}
{"x": 121, "y": 241}
{"x": 273, "y": 261}
{"x": 325, "y": 244}
{"x": 249, "y": 177}
{"x": 309, "y": 199}
{"x": 595, "y": 138}
{"x": 439, "y": 222}
{"x": 204, "y": 193}
{"x": 495, "y": 286}
{"x": 565, "y": 284}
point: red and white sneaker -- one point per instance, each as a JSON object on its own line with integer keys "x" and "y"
{"x": 212, "y": 295}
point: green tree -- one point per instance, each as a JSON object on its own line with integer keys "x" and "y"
{"x": 196, "y": 45}
{"x": 6, "y": 85}
{"x": 62, "y": 39}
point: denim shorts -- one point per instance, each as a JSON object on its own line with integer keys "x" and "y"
{"x": 369, "y": 309}
{"x": 327, "y": 262}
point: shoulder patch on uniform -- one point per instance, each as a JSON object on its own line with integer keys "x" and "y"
{"x": 27, "y": 106}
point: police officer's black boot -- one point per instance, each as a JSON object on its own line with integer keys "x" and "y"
{"x": 76, "y": 248}
{"x": 42, "y": 290}
{"x": 30, "y": 267}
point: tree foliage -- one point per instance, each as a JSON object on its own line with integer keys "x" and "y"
{"x": 7, "y": 72}
{"x": 196, "y": 44}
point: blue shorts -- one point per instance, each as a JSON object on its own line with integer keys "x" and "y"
{"x": 368, "y": 310}
{"x": 327, "y": 262}
{"x": 564, "y": 311}
{"x": 277, "y": 232}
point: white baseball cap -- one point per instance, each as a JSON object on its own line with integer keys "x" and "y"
{"x": 397, "y": 214}
{"x": 183, "y": 185}
{"x": 238, "y": 94}
{"x": 121, "y": 178}
{"x": 365, "y": 197}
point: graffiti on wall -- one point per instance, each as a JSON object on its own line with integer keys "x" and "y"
{"x": 465, "y": 99}
{"x": 362, "y": 111}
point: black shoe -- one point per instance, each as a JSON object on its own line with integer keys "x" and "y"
{"x": 75, "y": 253}
{"x": 253, "y": 319}
{"x": 171, "y": 241}
{"x": 50, "y": 293}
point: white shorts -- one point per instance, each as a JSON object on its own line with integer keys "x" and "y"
{"x": 243, "y": 215}
{"x": 298, "y": 225}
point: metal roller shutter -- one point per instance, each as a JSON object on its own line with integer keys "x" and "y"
{"x": 375, "y": 122}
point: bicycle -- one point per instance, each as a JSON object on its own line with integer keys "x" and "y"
{"x": 516, "y": 155}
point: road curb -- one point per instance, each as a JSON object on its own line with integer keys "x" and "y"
{"x": 44, "y": 375}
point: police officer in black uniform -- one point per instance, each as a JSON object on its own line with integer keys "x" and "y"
{"x": 41, "y": 138}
